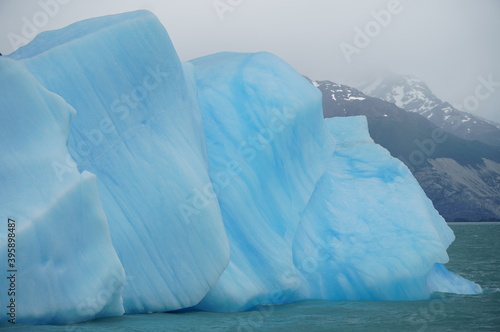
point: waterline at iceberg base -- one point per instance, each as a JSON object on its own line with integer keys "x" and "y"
{"x": 142, "y": 184}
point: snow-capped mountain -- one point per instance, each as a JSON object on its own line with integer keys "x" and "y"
{"x": 413, "y": 95}
{"x": 461, "y": 177}
{"x": 342, "y": 92}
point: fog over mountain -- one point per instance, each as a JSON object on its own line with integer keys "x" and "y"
{"x": 450, "y": 44}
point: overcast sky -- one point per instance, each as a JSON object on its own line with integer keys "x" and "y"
{"x": 449, "y": 44}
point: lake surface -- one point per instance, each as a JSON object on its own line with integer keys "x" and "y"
{"x": 474, "y": 255}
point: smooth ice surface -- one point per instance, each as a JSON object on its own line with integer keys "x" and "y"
{"x": 267, "y": 145}
{"x": 142, "y": 184}
{"x": 369, "y": 232}
{"x": 442, "y": 280}
{"x": 138, "y": 129}
{"x": 67, "y": 269}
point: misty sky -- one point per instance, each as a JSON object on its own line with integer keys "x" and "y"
{"x": 447, "y": 43}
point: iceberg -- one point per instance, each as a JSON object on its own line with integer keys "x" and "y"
{"x": 268, "y": 146}
{"x": 138, "y": 183}
{"x": 138, "y": 129}
{"x": 61, "y": 264}
{"x": 363, "y": 232}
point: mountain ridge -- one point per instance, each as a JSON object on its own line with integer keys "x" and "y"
{"x": 461, "y": 177}
{"x": 413, "y": 95}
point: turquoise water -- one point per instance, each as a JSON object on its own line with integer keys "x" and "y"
{"x": 474, "y": 255}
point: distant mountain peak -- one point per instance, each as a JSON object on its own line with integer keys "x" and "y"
{"x": 414, "y": 95}
{"x": 405, "y": 91}
{"x": 340, "y": 91}
{"x": 461, "y": 177}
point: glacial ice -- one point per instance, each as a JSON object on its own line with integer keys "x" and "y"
{"x": 139, "y": 131}
{"x": 363, "y": 233}
{"x": 67, "y": 268}
{"x": 267, "y": 146}
{"x": 142, "y": 184}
